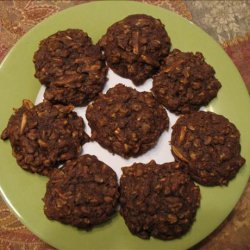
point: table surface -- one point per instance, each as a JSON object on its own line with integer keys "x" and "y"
{"x": 228, "y": 22}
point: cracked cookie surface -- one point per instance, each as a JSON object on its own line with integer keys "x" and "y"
{"x": 135, "y": 47}
{"x": 209, "y": 145}
{"x": 126, "y": 122}
{"x": 44, "y": 136}
{"x": 158, "y": 200}
{"x": 83, "y": 193}
{"x": 71, "y": 67}
{"x": 185, "y": 82}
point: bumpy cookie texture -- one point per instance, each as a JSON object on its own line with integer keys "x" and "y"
{"x": 71, "y": 67}
{"x": 158, "y": 200}
{"x": 44, "y": 136}
{"x": 135, "y": 47}
{"x": 83, "y": 193}
{"x": 209, "y": 145}
{"x": 125, "y": 121}
{"x": 185, "y": 82}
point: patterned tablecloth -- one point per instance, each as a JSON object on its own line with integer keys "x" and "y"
{"x": 227, "y": 21}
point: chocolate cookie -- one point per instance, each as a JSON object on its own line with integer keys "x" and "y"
{"x": 135, "y": 47}
{"x": 210, "y": 147}
{"x": 158, "y": 200}
{"x": 44, "y": 136}
{"x": 185, "y": 82}
{"x": 71, "y": 67}
{"x": 83, "y": 193}
{"x": 125, "y": 121}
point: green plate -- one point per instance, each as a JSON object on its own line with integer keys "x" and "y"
{"x": 23, "y": 191}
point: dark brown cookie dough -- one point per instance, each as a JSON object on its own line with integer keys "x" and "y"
{"x": 209, "y": 145}
{"x": 135, "y": 47}
{"x": 185, "y": 82}
{"x": 44, "y": 136}
{"x": 83, "y": 193}
{"x": 158, "y": 200}
{"x": 71, "y": 67}
{"x": 125, "y": 121}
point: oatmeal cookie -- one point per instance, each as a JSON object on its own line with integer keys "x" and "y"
{"x": 125, "y": 121}
{"x": 158, "y": 200}
{"x": 209, "y": 145}
{"x": 44, "y": 136}
{"x": 71, "y": 67}
{"x": 185, "y": 82}
{"x": 135, "y": 47}
{"x": 83, "y": 193}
